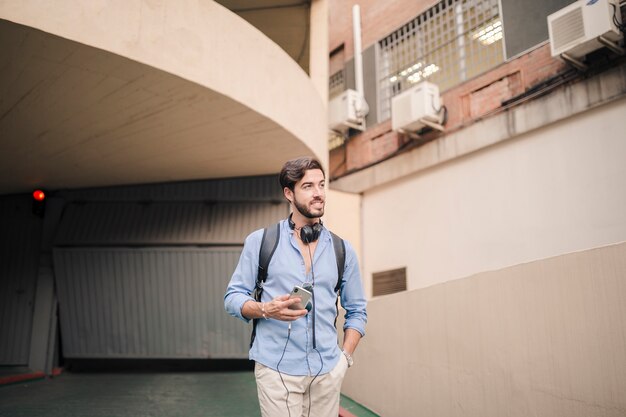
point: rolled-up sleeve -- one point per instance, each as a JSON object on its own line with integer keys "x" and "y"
{"x": 353, "y": 295}
{"x": 243, "y": 280}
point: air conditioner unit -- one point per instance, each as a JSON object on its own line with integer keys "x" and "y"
{"x": 416, "y": 107}
{"x": 342, "y": 111}
{"x": 583, "y": 26}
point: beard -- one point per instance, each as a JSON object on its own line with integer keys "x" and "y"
{"x": 306, "y": 212}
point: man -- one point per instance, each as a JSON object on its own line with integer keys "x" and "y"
{"x": 299, "y": 366}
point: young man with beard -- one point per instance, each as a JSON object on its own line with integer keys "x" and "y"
{"x": 299, "y": 365}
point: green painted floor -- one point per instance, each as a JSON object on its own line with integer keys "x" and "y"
{"x": 355, "y": 408}
{"x": 206, "y": 394}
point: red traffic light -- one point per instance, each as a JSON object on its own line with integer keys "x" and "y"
{"x": 39, "y": 195}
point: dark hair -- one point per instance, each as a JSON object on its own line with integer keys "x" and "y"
{"x": 294, "y": 170}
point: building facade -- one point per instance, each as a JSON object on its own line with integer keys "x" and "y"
{"x": 506, "y": 229}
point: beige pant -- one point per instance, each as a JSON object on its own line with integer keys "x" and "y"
{"x": 323, "y": 394}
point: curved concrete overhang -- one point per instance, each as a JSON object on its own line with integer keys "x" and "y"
{"x": 101, "y": 93}
{"x": 286, "y": 22}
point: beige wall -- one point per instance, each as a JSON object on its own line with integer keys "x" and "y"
{"x": 551, "y": 191}
{"x": 546, "y": 338}
{"x": 343, "y": 217}
{"x": 318, "y": 61}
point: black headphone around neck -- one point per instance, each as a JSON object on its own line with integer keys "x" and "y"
{"x": 308, "y": 233}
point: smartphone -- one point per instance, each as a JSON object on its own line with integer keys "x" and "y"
{"x": 305, "y": 297}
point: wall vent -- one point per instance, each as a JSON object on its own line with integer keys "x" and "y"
{"x": 389, "y": 282}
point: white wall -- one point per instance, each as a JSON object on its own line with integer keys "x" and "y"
{"x": 555, "y": 190}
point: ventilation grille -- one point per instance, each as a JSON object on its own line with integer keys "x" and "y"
{"x": 389, "y": 282}
{"x": 567, "y": 29}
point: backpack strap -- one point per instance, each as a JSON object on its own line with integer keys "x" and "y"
{"x": 340, "y": 254}
{"x": 269, "y": 243}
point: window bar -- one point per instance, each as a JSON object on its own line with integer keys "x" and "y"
{"x": 460, "y": 41}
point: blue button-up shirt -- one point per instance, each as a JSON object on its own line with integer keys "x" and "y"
{"x": 287, "y": 269}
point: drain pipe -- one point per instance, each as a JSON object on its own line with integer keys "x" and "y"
{"x": 361, "y": 106}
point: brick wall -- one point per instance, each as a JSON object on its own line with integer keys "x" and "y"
{"x": 378, "y": 19}
{"x": 466, "y": 103}
{"x": 483, "y": 94}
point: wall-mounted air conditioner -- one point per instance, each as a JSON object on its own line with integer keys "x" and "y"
{"x": 343, "y": 111}
{"x": 584, "y": 26}
{"x": 416, "y": 108}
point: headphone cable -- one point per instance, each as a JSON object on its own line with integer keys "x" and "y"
{"x": 281, "y": 375}
{"x": 314, "y": 341}
{"x": 313, "y": 294}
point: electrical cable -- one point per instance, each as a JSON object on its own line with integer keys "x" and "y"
{"x": 616, "y": 22}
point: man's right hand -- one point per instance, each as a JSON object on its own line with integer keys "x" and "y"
{"x": 278, "y": 308}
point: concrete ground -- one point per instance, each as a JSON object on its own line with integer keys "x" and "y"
{"x": 190, "y": 394}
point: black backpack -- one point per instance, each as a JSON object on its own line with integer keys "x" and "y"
{"x": 269, "y": 243}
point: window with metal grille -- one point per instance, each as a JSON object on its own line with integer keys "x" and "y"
{"x": 337, "y": 80}
{"x": 336, "y": 84}
{"x": 389, "y": 282}
{"x": 449, "y": 43}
